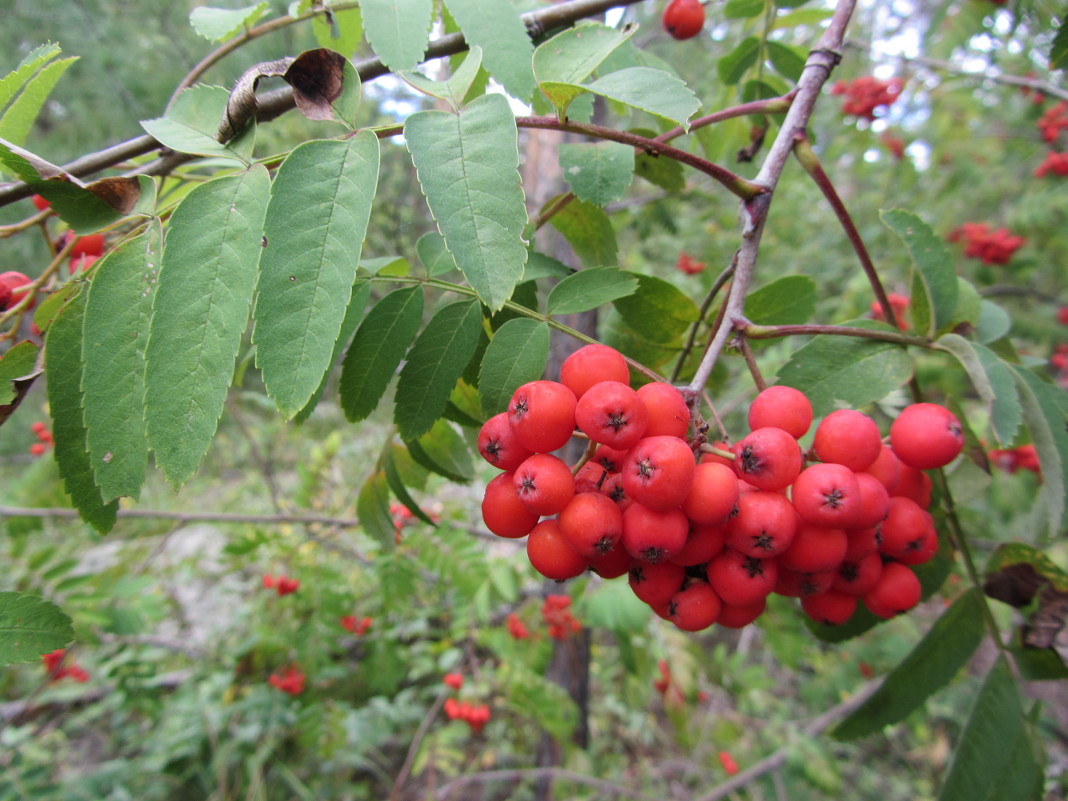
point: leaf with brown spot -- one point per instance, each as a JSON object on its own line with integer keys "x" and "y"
{"x": 1048, "y": 620}
{"x": 318, "y": 79}
{"x": 122, "y": 194}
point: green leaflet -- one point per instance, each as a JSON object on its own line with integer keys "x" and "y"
{"x": 435, "y": 362}
{"x": 63, "y": 372}
{"x": 379, "y": 345}
{"x": 598, "y": 172}
{"x": 992, "y": 379}
{"x": 790, "y": 300}
{"x": 657, "y": 310}
{"x": 192, "y": 122}
{"x": 114, "y": 341}
{"x": 443, "y": 451}
{"x": 398, "y": 30}
{"x": 218, "y": 24}
{"x": 571, "y": 56}
{"x": 468, "y": 166}
{"x": 313, "y": 231}
{"x": 516, "y": 354}
{"x": 1045, "y": 414}
{"x": 588, "y": 230}
{"x": 851, "y": 371}
{"x": 30, "y": 626}
{"x": 590, "y": 288}
{"x": 994, "y": 750}
{"x": 200, "y": 314}
{"x": 18, "y": 117}
{"x": 372, "y": 508}
{"x": 733, "y": 66}
{"x": 16, "y": 363}
{"x": 946, "y": 647}
{"x": 934, "y": 280}
{"x": 507, "y": 50}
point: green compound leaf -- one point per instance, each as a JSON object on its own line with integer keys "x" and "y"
{"x": 588, "y": 230}
{"x": 314, "y": 230}
{"x": 200, "y": 314}
{"x": 115, "y": 340}
{"x": 994, "y": 752}
{"x": 1046, "y": 418}
{"x": 192, "y": 122}
{"x": 361, "y": 293}
{"x": 588, "y": 289}
{"x": 598, "y": 172}
{"x": 398, "y": 30}
{"x": 733, "y": 66}
{"x": 29, "y": 627}
{"x": 946, "y": 647}
{"x": 443, "y": 451}
{"x": 790, "y": 300}
{"x": 468, "y": 166}
{"x": 517, "y": 354}
{"x": 657, "y": 310}
{"x": 837, "y": 371}
{"x": 992, "y": 379}
{"x": 63, "y": 373}
{"x": 654, "y": 91}
{"x": 934, "y": 279}
{"x": 435, "y": 362}
{"x": 377, "y": 349}
{"x": 17, "y": 364}
{"x": 507, "y": 50}
{"x": 567, "y": 59}
{"x": 372, "y": 508}
{"x": 218, "y": 24}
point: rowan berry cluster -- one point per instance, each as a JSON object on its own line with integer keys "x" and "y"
{"x": 556, "y": 612}
{"x": 865, "y": 94}
{"x": 1023, "y": 457}
{"x": 516, "y": 627}
{"x": 474, "y": 715}
{"x": 356, "y": 625}
{"x": 688, "y": 264}
{"x": 290, "y": 681}
{"x": 990, "y": 247}
{"x": 1053, "y": 121}
{"x": 44, "y": 438}
{"x": 283, "y": 585}
{"x": 1054, "y": 164}
{"x": 706, "y": 540}
{"x": 57, "y": 666}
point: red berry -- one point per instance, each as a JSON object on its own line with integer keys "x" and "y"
{"x": 768, "y": 458}
{"x": 88, "y": 245}
{"x": 40, "y": 202}
{"x": 611, "y": 413}
{"x": 742, "y": 580}
{"x": 82, "y": 263}
{"x": 542, "y": 415}
{"x": 453, "y": 680}
{"x": 683, "y": 19}
{"x": 874, "y": 501}
{"x": 827, "y": 495}
{"x": 551, "y": 554}
{"x": 831, "y": 608}
{"x": 815, "y": 549}
{"x": 544, "y": 483}
{"x": 498, "y": 444}
{"x": 668, "y": 413}
{"x": 737, "y": 617}
{"x": 656, "y": 584}
{"x": 897, "y": 591}
{"x": 654, "y": 535}
{"x": 592, "y": 364}
{"x": 764, "y": 526}
{"x": 859, "y": 577}
{"x": 800, "y": 585}
{"x": 611, "y": 564}
{"x": 905, "y": 529}
{"x": 713, "y": 494}
{"x": 592, "y": 523}
{"x": 10, "y": 295}
{"x": 847, "y": 437}
{"x": 704, "y": 542}
{"x": 926, "y": 436}
{"x": 695, "y": 607}
{"x": 502, "y": 511}
{"x": 658, "y": 472}
{"x": 782, "y": 407}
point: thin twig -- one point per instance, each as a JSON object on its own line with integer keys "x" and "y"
{"x": 1035, "y": 84}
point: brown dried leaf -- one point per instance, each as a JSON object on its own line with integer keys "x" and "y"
{"x": 1014, "y": 584}
{"x": 1048, "y": 620}
{"x": 121, "y": 194}
{"x": 317, "y": 79}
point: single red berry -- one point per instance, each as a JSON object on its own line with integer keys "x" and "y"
{"x": 827, "y": 494}
{"x": 858, "y": 577}
{"x": 897, "y": 591}
{"x": 800, "y": 585}
{"x": 782, "y": 407}
{"x": 613, "y": 563}
{"x": 874, "y": 501}
{"x": 737, "y": 617}
{"x": 654, "y": 535}
{"x": 542, "y": 415}
{"x": 741, "y": 580}
{"x": 544, "y": 483}
{"x": 656, "y": 584}
{"x": 88, "y": 245}
{"x": 684, "y": 19}
{"x": 38, "y": 448}
{"x": 502, "y": 511}
{"x": 658, "y": 472}
{"x": 713, "y": 494}
{"x": 764, "y": 526}
{"x": 668, "y": 413}
{"x": 704, "y": 542}
{"x": 592, "y": 523}
{"x": 498, "y": 444}
{"x": 848, "y": 437}
{"x": 40, "y": 202}
{"x": 926, "y": 436}
{"x": 815, "y": 549}
{"x": 453, "y": 680}
{"x": 612, "y": 414}
{"x": 768, "y": 458}
{"x": 82, "y": 263}
{"x": 832, "y": 608}
{"x": 886, "y": 468}
{"x": 10, "y": 294}
{"x": 551, "y": 554}
{"x": 592, "y": 364}
{"x": 695, "y": 607}
{"x": 905, "y": 529}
